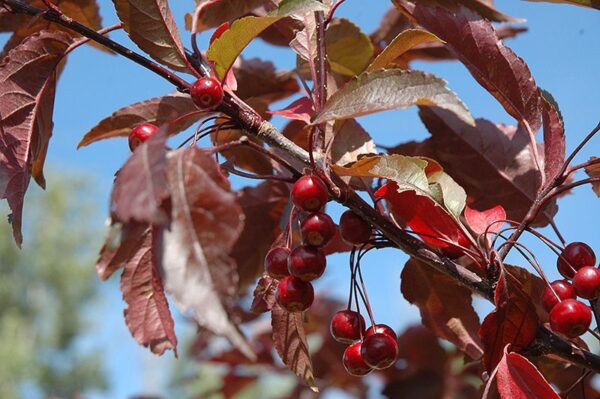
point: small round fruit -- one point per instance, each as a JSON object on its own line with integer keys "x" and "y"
{"x": 307, "y": 263}
{"x": 379, "y": 351}
{"x": 353, "y": 361}
{"x": 587, "y": 282}
{"x": 354, "y": 229}
{"x": 382, "y": 329}
{"x": 347, "y": 326}
{"x": 276, "y": 262}
{"x": 575, "y": 256}
{"x": 309, "y": 193}
{"x": 294, "y": 294}
{"x": 317, "y": 229}
{"x": 140, "y": 134}
{"x": 571, "y": 318}
{"x": 562, "y": 288}
{"x": 207, "y": 93}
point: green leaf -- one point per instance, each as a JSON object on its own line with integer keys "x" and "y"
{"x": 224, "y": 51}
{"x": 401, "y": 44}
{"x": 150, "y": 25}
{"x": 391, "y": 89}
{"x": 298, "y": 7}
{"x": 454, "y": 197}
{"x": 582, "y": 3}
{"x": 349, "y": 50}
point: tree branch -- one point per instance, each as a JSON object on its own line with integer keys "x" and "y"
{"x": 253, "y": 124}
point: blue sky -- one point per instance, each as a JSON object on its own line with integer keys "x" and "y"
{"x": 561, "y": 49}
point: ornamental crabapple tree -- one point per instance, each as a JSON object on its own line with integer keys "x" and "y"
{"x": 178, "y": 228}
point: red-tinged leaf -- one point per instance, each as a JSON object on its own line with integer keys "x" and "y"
{"x": 158, "y": 111}
{"x": 290, "y": 341}
{"x": 420, "y": 348}
{"x": 473, "y": 40}
{"x": 554, "y": 137}
{"x": 391, "y": 25}
{"x": 206, "y": 221}
{"x": 212, "y": 13}
{"x": 120, "y": 245}
{"x": 445, "y": 306}
{"x": 593, "y": 171}
{"x": 263, "y": 207}
{"x": 487, "y": 10}
{"x": 84, "y": 11}
{"x": 27, "y": 76}
{"x": 485, "y": 221}
{"x": 301, "y": 109}
{"x": 141, "y": 184}
{"x": 234, "y": 384}
{"x": 494, "y": 163}
{"x": 517, "y": 378}
{"x": 147, "y": 315}
{"x": 385, "y": 90}
{"x": 150, "y": 25}
{"x": 259, "y": 79}
{"x": 426, "y": 218}
{"x": 514, "y": 322}
{"x": 40, "y": 141}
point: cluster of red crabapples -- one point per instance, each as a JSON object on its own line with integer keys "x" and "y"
{"x": 206, "y": 93}
{"x": 569, "y": 316}
{"x": 374, "y": 348}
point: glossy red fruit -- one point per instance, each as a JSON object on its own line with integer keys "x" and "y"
{"x": 353, "y": 361}
{"x": 276, "y": 262}
{"x": 575, "y": 256}
{"x": 140, "y": 134}
{"x": 587, "y": 282}
{"x": 571, "y": 318}
{"x": 562, "y": 288}
{"x": 379, "y": 351}
{"x": 317, "y": 229}
{"x": 347, "y": 326}
{"x": 381, "y": 329}
{"x": 294, "y": 294}
{"x": 306, "y": 263}
{"x": 354, "y": 229}
{"x": 309, "y": 193}
{"x": 207, "y": 93}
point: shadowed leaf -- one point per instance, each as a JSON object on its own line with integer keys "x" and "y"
{"x": 475, "y": 43}
{"x": 147, "y": 315}
{"x": 263, "y": 207}
{"x": 260, "y": 80}
{"x": 349, "y": 50}
{"x": 141, "y": 184}
{"x": 27, "y": 79}
{"x": 593, "y": 171}
{"x": 212, "y": 13}
{"x": 120, "y": 244}
{"x": 445, "y": 306}
{"x": 391, "y": 89}
{"x": 583, "y": 3}
{"x": 158, "y": 111}
{"x": 514, "y": 322}
{"x": 350, "y": 142}
{"x": 290, "y": 341}
{"x": 206, "y": 222}
{"x": 152, "y": 27}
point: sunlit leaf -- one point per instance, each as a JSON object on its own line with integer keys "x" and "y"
{"x": 391, "y": 89}
{"x": 517, "y": 378}
{"x": 554, "y": 136}
{"x": 593, "y": 171}
{"x": 150, "y": 25}
{"x": 224, "y": 50}
{"x": 298, "y": 7}
{"x": 401, "y": 44}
